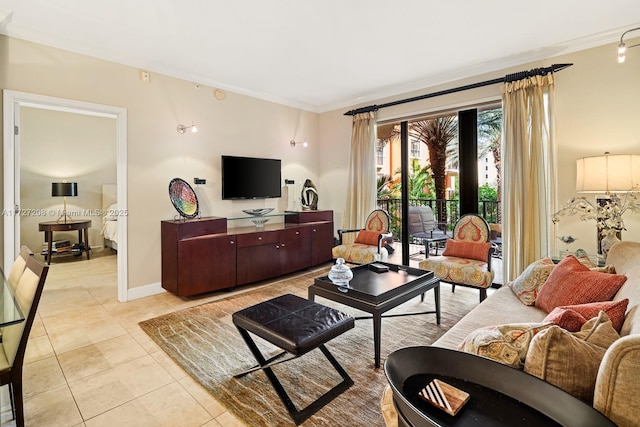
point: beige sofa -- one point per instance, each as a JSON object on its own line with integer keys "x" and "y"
{"x": 618, "y": 381}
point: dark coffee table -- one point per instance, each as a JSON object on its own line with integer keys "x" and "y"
{"x": 377, "y": 293}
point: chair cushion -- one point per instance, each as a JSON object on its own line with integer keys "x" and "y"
{"x": 368, "y": 237}
{"x": 572, "y": 283}
{"x": 469, "y": 272}
{"x": 359, "y": 253}
{"x": 471, "y": 250}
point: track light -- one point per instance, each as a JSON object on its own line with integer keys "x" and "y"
{"x": 622, "y": 48}
{"x": 304, "y": 143}
{"x": 182, "y": 128}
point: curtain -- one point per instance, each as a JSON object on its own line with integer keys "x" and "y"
{"x": 361, "y": 180}
{"x": 529, "y": 170}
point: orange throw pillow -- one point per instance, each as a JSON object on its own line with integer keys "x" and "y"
{"x": 572, "y": 283}
{"x": 572, "y": 317}
{"x": 367, "y": 237}
{"x": 469, "y": 250}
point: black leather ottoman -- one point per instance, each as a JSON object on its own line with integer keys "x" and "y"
{"x": 297, "y": 326}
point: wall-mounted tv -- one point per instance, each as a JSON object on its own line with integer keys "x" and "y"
{"x": 250, "y": 178}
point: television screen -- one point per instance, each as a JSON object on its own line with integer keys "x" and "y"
{"x": 250, "y": 178}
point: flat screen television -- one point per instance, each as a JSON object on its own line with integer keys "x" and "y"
{"x": 250, "y": 178}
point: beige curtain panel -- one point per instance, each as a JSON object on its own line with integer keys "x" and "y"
{"x": 529, "y": 168}
{"x": 361, "y": 180}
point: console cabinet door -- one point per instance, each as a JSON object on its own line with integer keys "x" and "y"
{"x": 258, "y": 256}
{"x": 206, "y": 264}
{"x": 321, "y": 242}
{"x": 295, "y": 249}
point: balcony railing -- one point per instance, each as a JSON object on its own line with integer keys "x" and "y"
{"x": 488, "y": 209}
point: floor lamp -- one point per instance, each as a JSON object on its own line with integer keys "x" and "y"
{"x": 64, "y": 189}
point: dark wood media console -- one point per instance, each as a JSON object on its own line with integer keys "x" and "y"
{"x": 202, "y": 255}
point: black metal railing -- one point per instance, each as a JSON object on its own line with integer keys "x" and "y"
{"x": 445, "y": 211}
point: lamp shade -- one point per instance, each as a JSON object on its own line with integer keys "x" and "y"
{"x": 67, "y": 189}
{"x": 608, "y": 173}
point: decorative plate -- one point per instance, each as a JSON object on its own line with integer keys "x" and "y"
{"x": 183, "y": 198}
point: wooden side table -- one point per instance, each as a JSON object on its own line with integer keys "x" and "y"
{"x": 51, "y": 226}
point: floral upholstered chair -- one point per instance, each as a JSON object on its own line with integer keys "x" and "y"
{"x": 369, "y": 243}
{"x": 466, "y": 259}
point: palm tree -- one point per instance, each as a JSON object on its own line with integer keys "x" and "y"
{"x": 437, "y": 134}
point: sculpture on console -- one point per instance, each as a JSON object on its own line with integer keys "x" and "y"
{"x": 309, "y": 196}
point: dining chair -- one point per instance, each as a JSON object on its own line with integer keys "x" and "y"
{"x": 18, "y": 267}
{"x": 369, "y": 243}
{"x": 15, "y": 337}
{"x": 466, "y": 259}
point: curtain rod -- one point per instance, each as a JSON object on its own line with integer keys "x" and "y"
{"x": 506, "y": 79}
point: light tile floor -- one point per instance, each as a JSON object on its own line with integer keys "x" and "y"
{"x": 88, "y": 363}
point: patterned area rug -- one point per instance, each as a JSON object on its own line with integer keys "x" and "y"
{"x": 206, "y": 344}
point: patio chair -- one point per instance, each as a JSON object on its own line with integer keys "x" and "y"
{"x": 423, "y": 226}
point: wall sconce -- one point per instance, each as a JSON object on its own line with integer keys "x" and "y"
{"x": 622, "y": 48}
{"x": 64, "y": 189}
{"x": 182, "y": 128}
{"x": 293, "y": 143}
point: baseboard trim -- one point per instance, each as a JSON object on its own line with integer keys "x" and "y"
{"x": 145, "y": 291}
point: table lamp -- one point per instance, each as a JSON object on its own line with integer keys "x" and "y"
{"x": 64, "y": 189}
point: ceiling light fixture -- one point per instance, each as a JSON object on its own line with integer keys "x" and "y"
{"x": 622, "y": 48}
{"x": 304, "y": 143}
{"x": 182, "y": 128}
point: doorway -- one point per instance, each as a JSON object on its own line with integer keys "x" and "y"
{"x": 14, "y": 103}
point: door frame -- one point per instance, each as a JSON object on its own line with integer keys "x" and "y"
{"x": 13, "y": 100}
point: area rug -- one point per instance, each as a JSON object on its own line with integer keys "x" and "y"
{"x": 206, "y": 344}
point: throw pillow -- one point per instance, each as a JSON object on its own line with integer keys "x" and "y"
{"x": 572, "y": 317}
{"x": 572, "y": 283}
{"x": 527, "y": 284}
{"x": 507, "y": 344}
{"x": 568, "y": 360}
{"x": 367, "y": 237}
{"x": 469, "y": 250}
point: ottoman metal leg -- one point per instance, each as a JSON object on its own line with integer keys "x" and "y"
{"x": 298, "y": 416}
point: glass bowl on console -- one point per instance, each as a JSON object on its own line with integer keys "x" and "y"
{"x": 257, "y": 212}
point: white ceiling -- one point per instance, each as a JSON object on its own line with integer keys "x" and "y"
{"x": 320, "y": 54}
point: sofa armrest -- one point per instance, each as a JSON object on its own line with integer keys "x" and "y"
{"x": 618, "y": 382}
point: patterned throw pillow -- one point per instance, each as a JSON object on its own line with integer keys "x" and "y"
{"x": 572, "y": 317}
{"x": 572, "y": 283}
{"x": 568, "y": 360}
{"x": 469, "y": 250}
{"x": 507, "y": 344}
{"x": 367, "y": 237}
{"x": 527, "y": 284}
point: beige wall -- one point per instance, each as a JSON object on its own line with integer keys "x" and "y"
{"x": 598, "y": 109}
{"x": 57, "y": 146}
{"x": 238, "y": 125}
